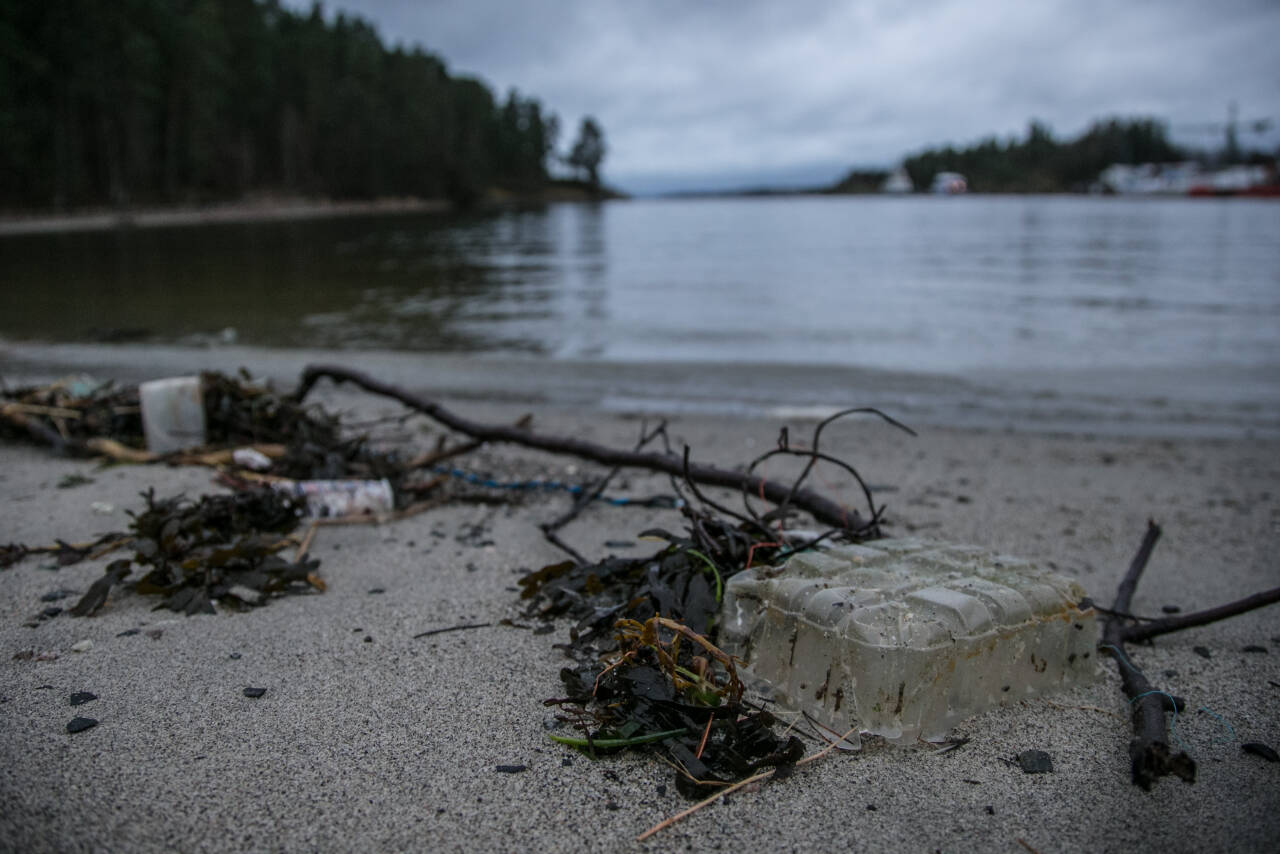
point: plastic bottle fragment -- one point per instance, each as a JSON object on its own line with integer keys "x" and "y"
{"x": 332, "y": 498}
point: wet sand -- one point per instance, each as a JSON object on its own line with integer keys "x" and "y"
{"x": 369, "y": 739}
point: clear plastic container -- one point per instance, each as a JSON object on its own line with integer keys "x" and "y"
{"x": 906, "y": 638}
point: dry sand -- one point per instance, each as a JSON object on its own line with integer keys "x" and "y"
{"x": 368, "y": 739}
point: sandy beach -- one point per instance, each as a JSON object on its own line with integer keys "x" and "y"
{"x": 369, "y": 739}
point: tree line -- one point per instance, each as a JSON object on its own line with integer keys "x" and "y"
{"x": 155, "y": 101}
{"x": 1038, "y": 163}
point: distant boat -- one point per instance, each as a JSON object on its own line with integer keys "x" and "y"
{"x": 949, "y": 184}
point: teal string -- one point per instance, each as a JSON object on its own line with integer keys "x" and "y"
{"x": 1224, "y": 723}
{"x": 1173, "y": 704}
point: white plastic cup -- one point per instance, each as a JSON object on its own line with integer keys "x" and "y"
{"x": 172, "y": 414}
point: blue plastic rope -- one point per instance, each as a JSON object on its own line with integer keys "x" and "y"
{"x": 555, "y": 486}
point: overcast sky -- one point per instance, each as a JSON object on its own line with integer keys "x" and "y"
{"x": 723, "y": 93}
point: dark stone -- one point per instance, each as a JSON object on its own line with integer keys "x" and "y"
{"x": 374, "y": 591}
{"x": 235, "y": 656}
{"x": 544, "y": 629}
{"x": 368, "y": 638}
{"x": 1035, "y": 762}
{"x": 662, "y": 789}
{"x": 1169, "y": 674}
{"x": 55, "y": 595}
{"x": 1257, "y": 748}
{"x": 566, "y": 762}
{"x": 50, "y": 612}
{"x": 872, "y": 807}
{"x": 1202, "y": 651}
{"x": 128, "y": 633}
{"x": 81, "y": 724}
{"x": 511, "y": 769}
{"x": 1171, "y": 609}
{"x": 612, "y": 806}
{"x": 79, "y": 698}
{"x": 155, "y": 634}
{"x": 991, "y": 810}
{"x": 1253, "y": 647}
{"x": 254, "y": 692}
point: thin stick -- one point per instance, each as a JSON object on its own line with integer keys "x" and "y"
{"x": 763, "y": 775}
{"x": 706, "y": 732}
{"x": 306, "y": 542}
{"x": 1164, "y": 626}
{"x": 820, "y": 507}
{"x": 457, "y": 628}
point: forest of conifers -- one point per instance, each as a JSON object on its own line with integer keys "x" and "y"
{"x": 113, "y": 102}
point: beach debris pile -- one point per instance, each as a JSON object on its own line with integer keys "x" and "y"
{"x": 219, "y": 548}
{"x": 79, "y": 416}
{"x": 667, "y": 687}
{"x": 646, "y": 675}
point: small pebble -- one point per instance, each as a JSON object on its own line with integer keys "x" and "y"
{"x": 155, "y": 634}
{"x": 82, "y": 646}
{"x": 235, "y": 656}
{"x": 1202, "y": 651}
{"x": 1035, "y": 762}
{"x": 511, "y": 769}
{"x": 79, "y": 698}
{"x": 55, "y": 595}
{"x": 128, "y": 633}
{"x": 254, "y": 692}
{"x": 1253, "y": 647}
{"x": 80, "y": 724}
{"x": 374, "y": 591}
{"x": 991, "y": 810}
{"x": 368, "y": 638}
{"x": 50, "y": 612}
{"x": 872, "y": 807}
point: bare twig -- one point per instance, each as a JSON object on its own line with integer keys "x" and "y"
{"x": 1149, "y": 753}
{"x": 1155, "y": 628}
{"x": 820, "y": 507}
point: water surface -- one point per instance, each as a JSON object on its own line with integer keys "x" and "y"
{"x": 1085, "y": 305}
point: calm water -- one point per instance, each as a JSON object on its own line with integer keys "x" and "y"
{"x": 1059, "y": 298}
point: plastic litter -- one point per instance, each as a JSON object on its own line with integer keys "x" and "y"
{"x": 329, "y": 498}
{"x": 906, "y": 638}
{"x": 172, "y": 414}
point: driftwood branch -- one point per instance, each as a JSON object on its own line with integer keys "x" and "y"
{"x": 1150, "y": 755}
{"x": 820, "y": 507}
{"x": 1155, "y": 628}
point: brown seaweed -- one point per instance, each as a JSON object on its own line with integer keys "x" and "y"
{"x": 220, "y": 548}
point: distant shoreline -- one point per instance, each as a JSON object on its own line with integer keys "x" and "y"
{"x": 227, "y": 212}
{"x": 273, "y": 210}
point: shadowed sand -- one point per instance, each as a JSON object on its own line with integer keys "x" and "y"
{"x": 367, "y": 739}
